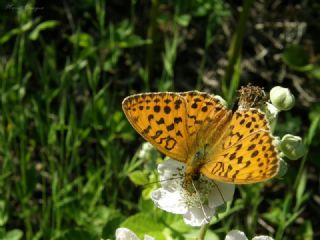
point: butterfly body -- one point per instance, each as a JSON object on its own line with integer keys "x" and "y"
{"x": 197, "y": 129}
{"x": 207, "y": 142}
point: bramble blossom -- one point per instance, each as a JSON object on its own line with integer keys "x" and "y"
{"x": 238, "y": 235}
{"x": 197, "y": 207}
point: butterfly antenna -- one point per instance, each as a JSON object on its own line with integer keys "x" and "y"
{"x": 216, "y": 185}
{"x": 199, "y": 198}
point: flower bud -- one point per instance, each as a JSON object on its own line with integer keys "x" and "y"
{"x": 282, "y": 98}
{"x": 271, "y": 112}
{"x": 292, "y": 146}
{"x": 282, "y": 169}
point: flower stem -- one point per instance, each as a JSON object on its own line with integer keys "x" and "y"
{"x": 203, "y": 231}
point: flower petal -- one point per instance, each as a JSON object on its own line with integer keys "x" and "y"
{"x": 147, "y": 237}
{"x": 262, "y": 238}
{"x": 125, "y": 234}
{"x": 236, "y": 235}
{"x": 198, "y": 216}
{"x": 169, "y": 172}
{"x": 221, "y": 194}
{"x": 169, "y": 201}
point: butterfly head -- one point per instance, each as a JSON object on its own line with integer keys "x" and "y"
{"x": 192, "y": 171}
{"x": 194, "y": 163}
{"x": 191, "y": 175}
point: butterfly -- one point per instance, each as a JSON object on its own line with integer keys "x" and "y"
{"x": 197, "y": 129}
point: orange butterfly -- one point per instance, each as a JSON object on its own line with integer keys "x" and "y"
{"x": 197, "y": 129}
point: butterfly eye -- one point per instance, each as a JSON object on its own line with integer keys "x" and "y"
{"x": 198, "y": 155}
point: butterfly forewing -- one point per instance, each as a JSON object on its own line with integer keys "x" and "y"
{"x": 247, "y": 153}
{"x": 161, "y": 119}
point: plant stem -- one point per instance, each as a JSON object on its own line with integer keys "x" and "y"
{"x": 203, "y": 231}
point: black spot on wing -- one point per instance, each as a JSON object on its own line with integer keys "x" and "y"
{"x": 170, "y": 127}
{"x": 167, "y": 109}
{"x": 156, "y": 108}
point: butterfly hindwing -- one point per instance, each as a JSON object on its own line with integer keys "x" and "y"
{"x": 247, "y": 153}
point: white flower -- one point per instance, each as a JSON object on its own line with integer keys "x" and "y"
{"x": 238, "y": 235}
{"x": 146, "y": 151}
{"x": 127, "y": 234}
{"x": 197, "y": 207}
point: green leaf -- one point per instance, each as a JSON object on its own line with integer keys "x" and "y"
{"x": 315, "y": 72}
{"x": 275, "y": 214}
{"x": 296, "y": 57}
{"x": 75, "y": 234}
{"x": 14, "y": 234}
{"x": 110, "y": 228}
{"x": 81, "y": 39}
{"x": 138, "y": 177}
{"x": 305, "y": 232}
{"x": 3, "y": 213}
{"x": 34, "y": 35}
{"x": 133, "y": 41}
{"x": 301, "y": 189}
{"x": 183, "y": 20}
{"x": 142, "y": 224}
{"x": 16, "y": 31}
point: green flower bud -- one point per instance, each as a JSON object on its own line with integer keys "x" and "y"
{"x": 276, "y": 142}
{"x": 271, "y": 112}
{"x": 282, "y": 169}
{"x": 282, "y": 98}
{"x": 292, "y": 146}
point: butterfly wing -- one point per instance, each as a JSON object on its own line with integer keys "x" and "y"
{"x": 161, "y": 119}
{"x": 204, "y": 112}
{"x": 247, "y": 153}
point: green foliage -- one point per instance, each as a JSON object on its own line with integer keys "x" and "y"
{"x": 298, "y": 59}
{"x": 69, "y": 165}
